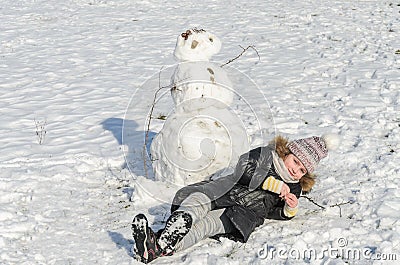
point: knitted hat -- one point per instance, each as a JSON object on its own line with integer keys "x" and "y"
{"x": 311, "y": 150}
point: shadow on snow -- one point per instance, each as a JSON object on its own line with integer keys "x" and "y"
{"x": 122, "y": 242}
{"x": 131, "y": 141}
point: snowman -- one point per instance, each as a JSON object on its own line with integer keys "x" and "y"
{"x": 202, "y": 137}
{"x": 195, "y": 77}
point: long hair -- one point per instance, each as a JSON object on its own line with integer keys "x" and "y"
{"x": 281, "y": 148}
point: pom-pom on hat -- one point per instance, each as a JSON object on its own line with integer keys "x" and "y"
{"x": 311, "y": 150}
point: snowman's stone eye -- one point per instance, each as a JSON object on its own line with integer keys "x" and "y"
{"x": 210, "y": 39}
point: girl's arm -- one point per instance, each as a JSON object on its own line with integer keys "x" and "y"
{"x": 252, "y": 167}
{"x": 289, "y": 209}
{"x": 278, "y": 213}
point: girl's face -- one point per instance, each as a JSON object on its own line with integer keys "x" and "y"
{"x": 294, "y": 166}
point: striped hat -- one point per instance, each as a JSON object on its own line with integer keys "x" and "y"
{"x": 311, "y": 150}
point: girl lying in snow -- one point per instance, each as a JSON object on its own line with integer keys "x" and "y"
{"x": 266, "y": 184}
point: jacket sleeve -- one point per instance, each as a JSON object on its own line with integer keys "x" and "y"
{"x": 253, "y": 166}
{"x": 283, "y": 211}
{"x": 278, "y": 214}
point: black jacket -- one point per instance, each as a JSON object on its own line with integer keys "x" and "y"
{"x": 240, "y": 193}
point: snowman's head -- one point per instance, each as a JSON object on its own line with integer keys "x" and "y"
{"x": 196, "y": 45}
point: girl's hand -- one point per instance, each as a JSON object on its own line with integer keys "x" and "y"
{"x": 291, "y": 200}
{"x": 284, "y": 191}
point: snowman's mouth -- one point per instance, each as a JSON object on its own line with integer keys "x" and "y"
{"x": 194, "y": 44}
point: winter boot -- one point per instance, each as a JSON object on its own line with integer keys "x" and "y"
{"x": 146, "y": 247}
{"x": 177, "y": 226}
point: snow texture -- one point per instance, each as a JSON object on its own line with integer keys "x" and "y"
{"x": 325, "y": 67}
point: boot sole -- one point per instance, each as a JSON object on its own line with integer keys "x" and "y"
{"x": 177, "y": 226}
{"x": 139, "y": 233}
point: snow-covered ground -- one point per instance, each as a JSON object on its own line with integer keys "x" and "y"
{"x": 71, "y": 67}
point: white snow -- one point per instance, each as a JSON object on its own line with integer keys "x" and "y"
{"x": 324, "y": 67}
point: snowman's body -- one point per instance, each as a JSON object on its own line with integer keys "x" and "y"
{"x": 198, "y": 81}
{"x": 197, "y": 139}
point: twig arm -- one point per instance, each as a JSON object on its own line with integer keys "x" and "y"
{"x": 244, "y": 50}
